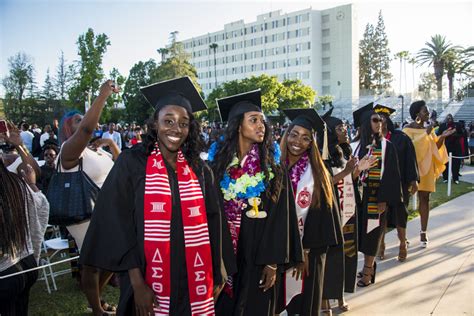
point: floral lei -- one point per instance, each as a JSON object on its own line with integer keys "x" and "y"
{"x": 241, "y": 183}
{"x": 297, "y": 170}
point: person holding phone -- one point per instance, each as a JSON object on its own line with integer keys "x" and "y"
{"x": 431, "y": 156}
{"x": 75, "y": 133}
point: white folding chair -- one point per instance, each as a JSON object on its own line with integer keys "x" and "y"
{"x": 51, "y": 248}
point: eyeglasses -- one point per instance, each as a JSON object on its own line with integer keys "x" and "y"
{"x": 376, "y": 120}
{"x": 50, "y": 155}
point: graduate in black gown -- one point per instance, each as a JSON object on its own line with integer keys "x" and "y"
{"x": 381, "y": 186}
{"x": 397, "y": 214}
{"x": 300, "y": 291}
{"x": 345, "y": 170}
{"x": 118, "y": 234}
{"x": 258, "y": 205}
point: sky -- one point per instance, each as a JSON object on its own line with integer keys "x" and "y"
{"x": 136, "y": 29}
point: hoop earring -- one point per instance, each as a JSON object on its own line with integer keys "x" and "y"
{"x": 418, "y": 120}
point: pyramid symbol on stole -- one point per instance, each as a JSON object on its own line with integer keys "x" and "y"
{"x": 157, "y": 256}
{"x": 198, "y": 261}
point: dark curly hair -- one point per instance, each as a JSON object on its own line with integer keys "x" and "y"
{"x": 416, "y": 107}
{"x": 192, "y": 146}
{"x": 229, "y": 144}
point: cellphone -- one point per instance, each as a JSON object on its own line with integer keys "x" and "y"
{"x": 3, "y": 126}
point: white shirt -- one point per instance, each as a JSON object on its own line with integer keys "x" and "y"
{"x": 96, "y": 164}
{"x": 44, "y": 137}
{"x": 27, "y": 138}
{"x": 115, "y": 137}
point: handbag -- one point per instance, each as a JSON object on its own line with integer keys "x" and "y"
{"x": 71, "y": 196}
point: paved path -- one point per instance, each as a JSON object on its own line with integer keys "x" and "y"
{"x": 467, "y": 173}
{"x": 438, "y": 280}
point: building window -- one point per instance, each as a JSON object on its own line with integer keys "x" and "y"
{"x": 326, "y": 61}
{"x": 326, "y": 75}
{"x": 325, "y": 32}
{"x": 326, "y": 47}
{"x": 325, "y": 18}
{"x": 326, "y": 90}
{"x": 306, "y": 75}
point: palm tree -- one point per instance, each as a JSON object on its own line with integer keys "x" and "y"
{"x": 435, "y": 54}
{"x": 403, "y": 55}
{"x": 454, "y": 64}
{"x": 163, "y": 52}
{"x": 412, "y": 61}
{"x": 214, "y": 46}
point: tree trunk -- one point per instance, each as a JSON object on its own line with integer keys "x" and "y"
{"x": 451, "y": 86}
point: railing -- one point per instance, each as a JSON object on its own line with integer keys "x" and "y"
{"x": 450, "y": 175}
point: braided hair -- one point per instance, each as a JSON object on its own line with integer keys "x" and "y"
{"x": 13, "y": 212}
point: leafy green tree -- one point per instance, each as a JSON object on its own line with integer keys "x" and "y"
{"x": 176, "y": 64}
{"x": 428, "y": 84}
{"x": 381, "y": 57}
{"x": 435, "y": 54}
{"x": 111, "y": 111}
{"x": 366, "y": 55}
{"x": 140, "y": 75}
{"x": 275, "y": 95}
{"x": 295, "y": 94}
{"x": 62, "y": 80}
{"x": 91, "y": 50}
{"x": 48, "y": 91}
{"x": 19, "y": 80}
{"x": 325, "y": 100}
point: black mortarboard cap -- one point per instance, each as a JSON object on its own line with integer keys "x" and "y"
{"x": 180, "y": 91}
{"x": 238, "y": 104}
{"x": 383, "y": 109}
{"x": 307, "y": 118}
{"x": 362, "y": 114}
{"x": 330, "y": 120}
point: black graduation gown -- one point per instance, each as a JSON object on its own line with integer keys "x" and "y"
{"x": 333, "y": 286}
{"x": 114, "y": 240}
{"x": 350, "y": 249}
{"x": 389, "y": 192}
{"x": 271, "y": 240}
{"x": 398, "y": 213}
{"x": 322, "y": 231}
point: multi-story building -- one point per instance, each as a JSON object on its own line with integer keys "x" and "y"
{"x": 319, "y": 47}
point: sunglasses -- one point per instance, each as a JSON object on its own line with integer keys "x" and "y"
{"x": 376, "y": 120}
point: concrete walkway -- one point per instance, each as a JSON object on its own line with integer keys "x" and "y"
{"x": 467, "y": 173}
{"x": 438, "y": 280}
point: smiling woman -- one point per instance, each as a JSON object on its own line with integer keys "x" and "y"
{"x": 158, "y": 217}
{"x": 258, "y": 207}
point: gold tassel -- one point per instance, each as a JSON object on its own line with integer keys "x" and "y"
{"x": 325, "y": 143}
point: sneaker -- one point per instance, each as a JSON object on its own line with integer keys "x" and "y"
{"x": 457, "y": 182}
{"x": 445, "y": 181}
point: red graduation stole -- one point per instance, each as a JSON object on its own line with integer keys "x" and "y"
{"x": 157, "y": 232}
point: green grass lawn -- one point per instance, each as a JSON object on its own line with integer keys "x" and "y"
{"x": 68, "y": 300}
{"x": 440, "y": 196}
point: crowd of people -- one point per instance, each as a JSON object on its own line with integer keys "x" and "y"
{"x": 240, "y": 217}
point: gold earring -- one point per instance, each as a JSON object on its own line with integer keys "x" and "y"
{"x": 418, "y": 120}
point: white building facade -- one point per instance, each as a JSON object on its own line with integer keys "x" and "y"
{"x": 318, "y": 47}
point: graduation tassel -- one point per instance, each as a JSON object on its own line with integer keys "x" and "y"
{"x": 325, "y": 143}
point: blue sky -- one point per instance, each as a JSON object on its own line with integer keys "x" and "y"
{"x": 137, "y": 28}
